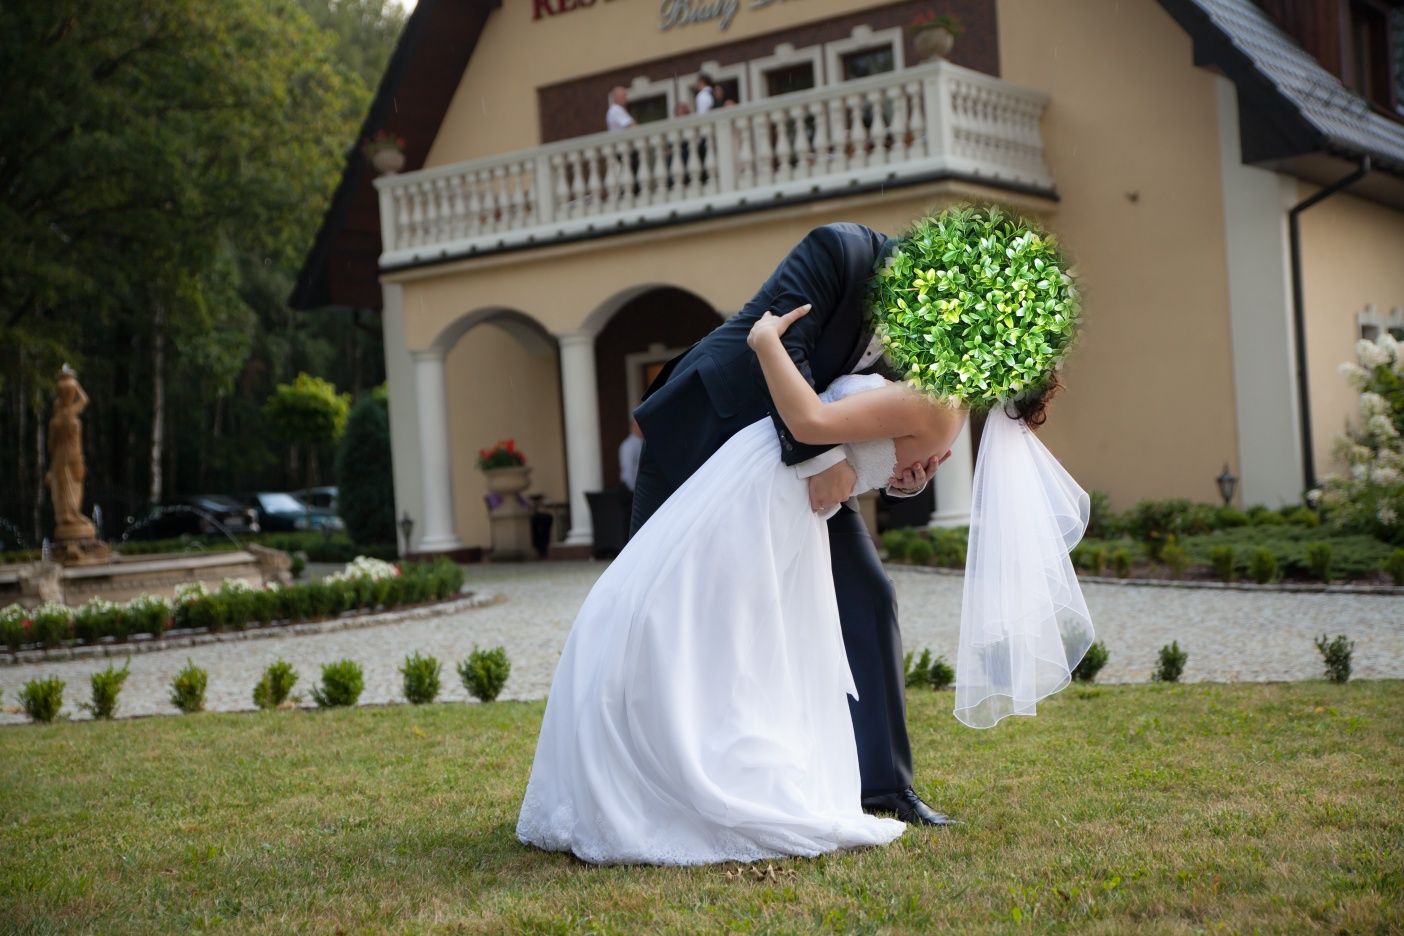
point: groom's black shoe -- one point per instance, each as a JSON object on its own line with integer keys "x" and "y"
{"x": 909, "y": 808}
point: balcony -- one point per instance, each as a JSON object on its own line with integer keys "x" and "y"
{"x": 924, "y": 123}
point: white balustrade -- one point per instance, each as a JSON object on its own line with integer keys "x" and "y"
{"x": 917, "y": 123}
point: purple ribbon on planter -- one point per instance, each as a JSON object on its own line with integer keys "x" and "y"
{"x": 495, "y": 500}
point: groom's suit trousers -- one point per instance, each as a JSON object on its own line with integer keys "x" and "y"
{"x": 868, "y": 617}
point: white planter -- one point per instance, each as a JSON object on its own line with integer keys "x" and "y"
{"x": 388, "y": 160}
{"x": 933, "y": 44}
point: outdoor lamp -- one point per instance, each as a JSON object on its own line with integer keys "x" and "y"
{"x": 1227, "y": 481}
{"x": 407, "y": 527}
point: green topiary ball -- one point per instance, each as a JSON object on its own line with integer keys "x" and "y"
{"x": 975, "y": 305}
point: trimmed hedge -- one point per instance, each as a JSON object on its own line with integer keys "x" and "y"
{"x": 234, "y": 606}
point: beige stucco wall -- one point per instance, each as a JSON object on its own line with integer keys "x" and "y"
{"x": 499, "y": 389}
{"x": 1352, "y": 256}
{"x": 495, "y": 107}
{"x": 1149, "y": 409}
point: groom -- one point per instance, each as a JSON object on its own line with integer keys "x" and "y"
{"x": 706, "y": 395}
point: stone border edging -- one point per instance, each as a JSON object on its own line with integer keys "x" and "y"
{"x": 176, "y": 639}
{"x": 1290, "y": 587}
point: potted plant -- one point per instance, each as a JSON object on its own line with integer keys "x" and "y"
{"x": 933, "y": 35}
{"x": 386, "y": 151}
{"x": 505, "y": 468}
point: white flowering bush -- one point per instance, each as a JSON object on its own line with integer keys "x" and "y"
{"x": 97, "y": 618}
{"x": 148, "y": 614}
{"x": 975, "y": 305}
{"x": 364, "y": 567}
{"x": 189, "y": 591}
{"x": 1369, "y": 496}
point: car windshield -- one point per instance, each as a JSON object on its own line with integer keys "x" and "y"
{"x": 281, "y": 503}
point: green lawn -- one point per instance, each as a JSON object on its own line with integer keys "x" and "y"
{"x": 1158, "y": 809}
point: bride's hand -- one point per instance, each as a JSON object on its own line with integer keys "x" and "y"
{"x": 770, "y": 323}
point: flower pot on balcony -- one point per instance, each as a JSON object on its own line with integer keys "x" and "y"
{"x": 387, "y": 160}
{"x": 933, "y": 44}
{"x": 512, "y": 480}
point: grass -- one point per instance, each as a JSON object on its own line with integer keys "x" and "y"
{"x": 1156, "y": 808}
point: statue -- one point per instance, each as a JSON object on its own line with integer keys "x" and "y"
{"x": 75, "y": 537}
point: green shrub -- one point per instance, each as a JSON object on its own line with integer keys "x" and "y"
{"x": 106, "y": 684}
{"x": 299, "y": 564}
{"x": 1394, "y": 565}
{"x": 1172, "y": 663}
{"x": 188, "y": 688}
{"x": 1302, "y": 516}
{"x": 918, "y": 672}
{"x": 1102, "y": 521}
{"x": 41, "y": 699}
{"x": 365, "y": 487}
{"x": 1153, "y": 522}
{"x": 1263, "y": 516}
{"x": 1263, "y": 566}
{"x": 920, "y": 551}
{"x": 96, "y": 619}
{"x": 148, "y": 614}
{"x": 1121, "y": 563}
{"x": 15, "y": 627}
{"x": 1318, "y": 557}
{"x": 1091, "y": 663}
{"x": 1097, "y": 560}
{"x": 1227, "y": 518}
{"x": 52, "y": 624}
{"x": 267, "y": 606}
{"x": 1336, "y": 655}
{"x": 948, "y": 546}
{"x": 1225, "y": 562}
{"x": 342, "y": 683}
{"x": 1175, "y": 557}
{"x": 485, "y": 672}
{"x": 275, "y": 686}
{"x": 941, "y": 674}
{"x": 421, "y": 675}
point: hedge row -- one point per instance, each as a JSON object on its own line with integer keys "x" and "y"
{"x": 234, "y": 606}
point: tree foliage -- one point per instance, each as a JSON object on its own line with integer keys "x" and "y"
{"x": 365, "y": 482}
{"x": 163, "y": 170}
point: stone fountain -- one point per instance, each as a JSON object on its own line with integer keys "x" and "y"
{"x": 78, "y": 565}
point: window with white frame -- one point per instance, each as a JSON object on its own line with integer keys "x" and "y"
{"x": 866, "y": 52}
{"x": 650, "y": 101}
{"x": 1370, "y": 324}
{"x": 732, "y": 79}
{"x": 786, "y": 71}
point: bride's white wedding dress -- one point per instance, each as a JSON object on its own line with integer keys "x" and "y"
{"x": 699, "y": 712}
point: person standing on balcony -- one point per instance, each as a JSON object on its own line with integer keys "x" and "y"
{"x": 706, "y": 97}
{"x": 618, "y": 116}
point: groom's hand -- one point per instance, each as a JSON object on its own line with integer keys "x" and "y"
{"x": 831, "y": 487}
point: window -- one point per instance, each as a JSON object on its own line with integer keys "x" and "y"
{"x": 789, "y": 79}
{"x": 1371, "y": 67}
{"x": 649, "y": 109}
{"x": 1396, "y": 32}
{"x": 867, "y": 62}
{"x": 1370, "y": 324}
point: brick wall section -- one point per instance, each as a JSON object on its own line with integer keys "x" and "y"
{"x": 577, "y": 107}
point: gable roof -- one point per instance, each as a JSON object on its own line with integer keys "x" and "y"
{"x": 342, "y": 267}
{"x": 1289, "y": 104}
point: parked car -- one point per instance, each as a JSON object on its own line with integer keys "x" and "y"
{"x": 281, "y": 513}
{"x": 319, "y": 497}
{"x": 194, "y": 515}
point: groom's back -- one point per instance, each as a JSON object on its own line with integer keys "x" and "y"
{"x": 715, "y": 389}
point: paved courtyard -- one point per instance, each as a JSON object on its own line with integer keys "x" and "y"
{"x": 1229, "y": 635}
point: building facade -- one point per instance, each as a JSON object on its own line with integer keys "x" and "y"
{"x": 532, "y": 271}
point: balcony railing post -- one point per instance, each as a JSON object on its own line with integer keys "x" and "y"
{"x": 725, "y": 157}
{"x": 936, "y": 92}
{"x": 387, "y": 218}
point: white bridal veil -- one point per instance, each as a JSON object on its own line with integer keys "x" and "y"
{"x": 1023, "y": 623}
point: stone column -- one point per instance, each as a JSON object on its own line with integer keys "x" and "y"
{"x": 435, "y": 527}
{"x": 955, "y": 482}
{"x": 582, "y": 430}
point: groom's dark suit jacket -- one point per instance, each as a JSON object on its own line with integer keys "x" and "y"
{"x": 706, "y": 395}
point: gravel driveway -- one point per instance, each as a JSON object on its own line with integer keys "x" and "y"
{"x": 1229, "y": 635}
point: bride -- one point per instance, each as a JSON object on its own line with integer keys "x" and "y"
{"x": 699, "y": 711}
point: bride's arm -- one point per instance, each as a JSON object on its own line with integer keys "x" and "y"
{"x": 888, "y": 413}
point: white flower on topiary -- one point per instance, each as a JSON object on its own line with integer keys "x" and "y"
{"x": 364, "y": 567}
{"x": 189, "y": 591}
